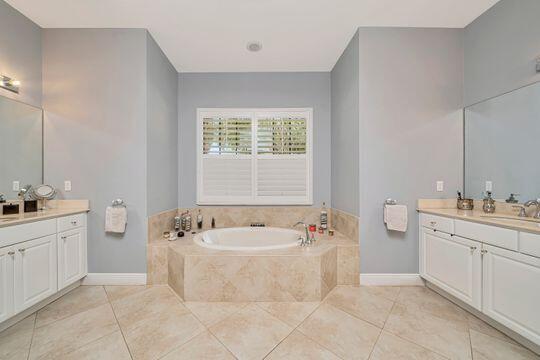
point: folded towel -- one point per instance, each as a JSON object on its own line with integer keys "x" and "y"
{"x": 395, "y": 217}
{"x": 115, "y": 219}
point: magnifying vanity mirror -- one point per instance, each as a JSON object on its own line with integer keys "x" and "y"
{"x": 21, "y": 146}
{"x": 502, "y": 145}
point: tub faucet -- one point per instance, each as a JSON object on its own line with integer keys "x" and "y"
{"x": 304, "y": 241}
{"x": 536, "y": 202}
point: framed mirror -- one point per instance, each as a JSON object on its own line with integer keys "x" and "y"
{"x": 21, "y": 146}
{"x": 502, "y": 145}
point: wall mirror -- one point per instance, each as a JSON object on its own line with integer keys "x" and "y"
{"x": 21, "y": 146}
{"x": 502, "y": 145}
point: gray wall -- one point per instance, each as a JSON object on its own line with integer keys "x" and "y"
{"x": 345, "y": 130}
{"x": 501, "y": 47}
{"x": 20, "y": 54}
{"x": 253, "y": 90}
{"x": 162, "y": 130}
{"x": 94, "y": 96}
{"x": 410, "y": 133}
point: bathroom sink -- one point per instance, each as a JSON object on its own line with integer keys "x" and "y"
{"x": 515, "y": 220}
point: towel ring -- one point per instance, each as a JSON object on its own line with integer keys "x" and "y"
{"x": 118, "y": 203}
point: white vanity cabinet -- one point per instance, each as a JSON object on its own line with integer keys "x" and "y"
{"x": 39, "y": 259}
{"x": 487, "y": 267}
{"x": 35, "y": 271}
{"x": 452, "y": 263}
{"x": 511, "y": 290}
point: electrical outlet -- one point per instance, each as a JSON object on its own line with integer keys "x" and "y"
{"x": 489, "y": 186}
{"x": 67, "y": 185}
{"x": 440, "y": 186}
{"x": 16, "y": 186}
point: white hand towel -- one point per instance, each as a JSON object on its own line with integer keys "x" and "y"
{"x": 395, "y": 217}
{"x": 115, "y": 219}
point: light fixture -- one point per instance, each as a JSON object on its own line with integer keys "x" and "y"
{"x": 9, "y": 84}
{"x": 254, "y": 46}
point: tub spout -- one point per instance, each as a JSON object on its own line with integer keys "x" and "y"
{"x": 305, "y": 241}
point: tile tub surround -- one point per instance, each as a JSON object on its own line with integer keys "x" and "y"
{"x": 150, "y": 322}
{"x": 294, "y": 274}
{"x": 345, "y": 223}
{"x": 160, "y": 222}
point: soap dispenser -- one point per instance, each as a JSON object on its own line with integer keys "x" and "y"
{"x": 489, "y": 203}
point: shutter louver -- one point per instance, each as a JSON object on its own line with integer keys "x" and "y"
{"x": 281, "y": 177}
{"x": 227, "y": 135}
{"x": 226, "y": 177}
{"x": 281, "y": 135}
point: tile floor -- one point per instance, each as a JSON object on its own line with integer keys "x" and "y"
{"x": 151, "y": 322}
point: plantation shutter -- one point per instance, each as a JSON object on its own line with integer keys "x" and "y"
{"x": 254, "y": 156}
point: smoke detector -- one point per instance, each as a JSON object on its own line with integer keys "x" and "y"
{"x": 254, "y": 46}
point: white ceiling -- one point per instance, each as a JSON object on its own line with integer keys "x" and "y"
{"x": 211, "y": 35}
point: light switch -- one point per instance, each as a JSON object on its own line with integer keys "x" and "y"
{"x": 67, "y": 185}
{"x": 440, "y": 186}
{"x": 489, "y": 186}
{"x": 16, "y": 186}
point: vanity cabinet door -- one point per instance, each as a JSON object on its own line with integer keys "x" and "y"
{"x": 7, "y": 257}
{"x": 71, "y": 256}
{"x": 453, "y": 264}
{"x": 512, "y": 290}
{"x": 35, "y": 271}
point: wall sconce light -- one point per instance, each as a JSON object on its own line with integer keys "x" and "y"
{"x": 9, "y": 84}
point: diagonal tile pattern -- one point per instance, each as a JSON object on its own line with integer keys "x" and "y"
{"x": 151, "y": 322}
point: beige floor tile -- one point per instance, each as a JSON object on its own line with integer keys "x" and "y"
{"x": 486, "y": 347}
{"x": 446, "y": 337}
{"x": 210, "y": 313}
{"x": 116, "y": 292}
{"x": 362, "y": 303}
{"x": 202, "y": 347}
{"x": 428, "y": 300}
{"x": 109, "y": 347}
{"x": 15, "y": 341}
{"x": 78, "y": 300}
{"x": 389, "y": 292}
{"x": 343, "y": 334}
{"x": 390, "y": 347}
{"x": 156, "y": 335}
{"x": 63, "y": 336}
{"x": 139, "y": 308}
{"x": 292, "y": 313}
{"x": 484, "y": 328}
{"x": 251, "y": 333}
{"x": 297, "y": 346}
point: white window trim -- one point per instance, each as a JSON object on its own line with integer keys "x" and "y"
{"x": 254, "y": 113}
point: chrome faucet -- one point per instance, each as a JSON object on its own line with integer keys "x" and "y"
{"x": 536, "y": 202}
{"x": 304, "y": 241}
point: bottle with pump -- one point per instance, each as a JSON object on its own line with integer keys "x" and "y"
{"x": 199, "y": 220}
{"x": 324, "y": 217}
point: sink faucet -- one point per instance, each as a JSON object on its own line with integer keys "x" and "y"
{"x": 536, "y": 202}
{"x": 304, "y": 241}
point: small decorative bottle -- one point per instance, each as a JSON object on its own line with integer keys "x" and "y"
{"x": 489, "y": 204}
{"x": 324, "y": 217}
{"x": 199, "y": 220}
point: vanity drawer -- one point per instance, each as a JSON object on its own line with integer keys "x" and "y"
{"x": 17, "y": 233}
{"x": 496, "y": 236}
{"x": 529, "y": 244}
{"x": 71, "y": 222}
{"x": 438, "y": 223}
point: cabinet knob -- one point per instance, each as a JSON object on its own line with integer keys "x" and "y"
{"x": 63, "y": 237}
{"x": 21, "y": 250}
{"x": 433, "y": 223}
{"x": 484, "y": 252}
{"x": 473, "y": 248}
{"x": 74, "y": 222}
{"x": 11, "y": 253}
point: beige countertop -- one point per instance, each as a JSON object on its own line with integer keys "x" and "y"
{"x": 58, "y": 209}
{"x": 504, "y": 220}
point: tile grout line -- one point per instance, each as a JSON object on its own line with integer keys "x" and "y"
{"x": 32, "y": 338}
{"x": 382, "y": 329}
{"x": 118, "y": 323}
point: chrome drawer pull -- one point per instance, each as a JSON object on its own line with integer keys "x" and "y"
{"x": 21, "y": 250}
{"x": 472, "y": 249}
{"x": 433, "y": 223}
{"x": 74, "y": 222}
{"x": 11, "y": 253}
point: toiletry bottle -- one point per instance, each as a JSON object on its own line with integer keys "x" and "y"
{"x": 199, "y": 220}
{"x": 188, "y": 222}
{"x": 213, "y": 223}
{"x": 177, "y": 223}
{"x": 489, "y": 203}
{"x": 324, "y": 217}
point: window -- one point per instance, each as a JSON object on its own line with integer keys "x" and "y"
{"x": 254, "y": 156}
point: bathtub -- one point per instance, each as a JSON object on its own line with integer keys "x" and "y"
{"x": 248, "y": 238}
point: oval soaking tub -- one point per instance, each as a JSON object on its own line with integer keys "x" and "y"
{"x": 248, "y": 238}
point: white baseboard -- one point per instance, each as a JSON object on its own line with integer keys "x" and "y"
{"x": 115, "y": 279}
{"x": 391, "y": 280}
